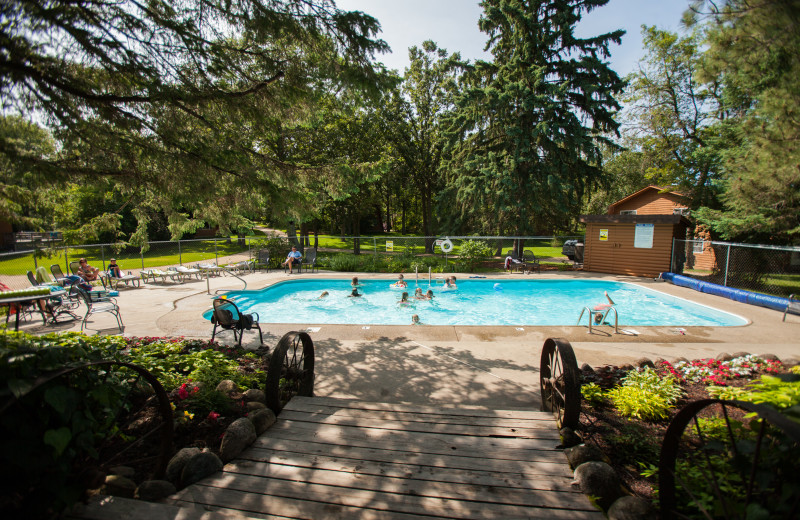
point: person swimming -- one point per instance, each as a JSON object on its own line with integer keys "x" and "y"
{"x": 400, "y": 281}
{"x": 450, "y": 283}
{"x": 418, "y": 294}
{"x": 415, "y": 320}
{"x": 354, "y": 294}
{"x": 599, "y": 309}
{"x": 429, "y": 295}
{"x": 323, "y": 295}
{"x": 355, "y": 282}
{"x": 403, "y": 299}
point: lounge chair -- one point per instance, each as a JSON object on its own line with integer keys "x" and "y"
{"x": 114, "y": 281}
{"x": 211, "y": 269}
{"x": 187, "y": 272}
{"x": 243, "y": 266}
{"x": 153, "y": 273}
{"x": 309, "y": 260}
{"x": 792, "y": 306}
{"x": 95, "y": 307}
{"x": 58, "y": 304}
{"x": 227, "y": 316}
{"x": 74, "y": 266}
{"x": 64, "y": 281}
{"x": 530, "y": 261}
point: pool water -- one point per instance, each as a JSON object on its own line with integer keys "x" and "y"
{"x": 475, "y": 302}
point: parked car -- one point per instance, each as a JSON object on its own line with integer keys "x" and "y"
{"x": 568, "y": 249}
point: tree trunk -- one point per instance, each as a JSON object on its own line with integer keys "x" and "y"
{"x": 316, "y": 235}
{"x": 403, "y": 217}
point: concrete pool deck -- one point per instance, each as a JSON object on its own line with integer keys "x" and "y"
{"x": 486, "y": 366}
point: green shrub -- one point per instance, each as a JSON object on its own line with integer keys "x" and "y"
{"x": 278, "y": 247}
{"x": 471, "y": 253}
{"x": 645, "y": 395}
{"x": 779, "y": 393}
{"x": 592, "y": 393}
{"x": 368, "y": 263}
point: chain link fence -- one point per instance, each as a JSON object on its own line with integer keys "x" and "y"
{"x": 765, "y": 269}
{"x": 343, "y": 253}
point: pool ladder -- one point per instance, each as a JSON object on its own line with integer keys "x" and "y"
{"x": 592, "y": 312}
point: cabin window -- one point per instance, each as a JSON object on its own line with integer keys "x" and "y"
{"x": 681, "y": 211}
{"x": 697, "y": 246}
{"x": 628, "y": 212}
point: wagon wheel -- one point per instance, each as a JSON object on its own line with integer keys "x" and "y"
{"x": 291, "y": 370}
{"x": 558, "y": 381}
{"x": 730, "y": 459}
{"x": 134, "y": 422}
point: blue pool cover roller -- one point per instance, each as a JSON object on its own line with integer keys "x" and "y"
{"x": 740, "y": 295}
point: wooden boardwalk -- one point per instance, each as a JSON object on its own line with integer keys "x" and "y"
{"x": 333, "y": 458}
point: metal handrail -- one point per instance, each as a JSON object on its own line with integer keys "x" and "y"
{"x": 208, "y": 284}
{"x": 592, "y": 312}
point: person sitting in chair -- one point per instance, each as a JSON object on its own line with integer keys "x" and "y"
{"x": 293, "y": 258}
{"x": 113, "y": 269}
{"x": 86, "y": 271}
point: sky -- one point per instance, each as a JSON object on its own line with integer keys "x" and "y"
{"x": 453, "y": 25}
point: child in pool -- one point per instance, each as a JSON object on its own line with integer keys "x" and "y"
{"x": 450, "y": 283}
{"x": 323, "y": 295}
{"x": 400, "y": 281}
{"x": 403, "y": 299}
{"x": 418, "y": 294}
{"x": 415, "y": 320}
{"x": 355, "y": 282}
{"x": 601, "y": 307}
{"x": 429, "y": 295}
{"x": 354, "y": 294}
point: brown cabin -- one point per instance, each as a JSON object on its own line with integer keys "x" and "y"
{"x": 636, "y": 236}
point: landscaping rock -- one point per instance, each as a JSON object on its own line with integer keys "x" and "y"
{"x": 586, "y": 368}
{"x": 253, "y": 406}
{"x": 659, "y": 361}
{"x": 262, "y": 419}
{"x": 199, "y": 467}
{"x": 227, "y": 386}
{"x": 631, "y": 508}
{"x": 239, "y": 435}
{"x": 582, "y": 453}
{"x": 768, "y": 357}
{"x": 679, "y": 359}
{"x": 122, "y": 471}
{"x": 177, "y": 463}
{"x": 644, "y": 362}
{"x": 626, "y": 368}
{"x": 254, "y": 394}
{"x": 724, "y": 356}
{"x": 599, "y": 480}
{"x": 152, "y": 490}
{"x": 790, "y": 362}
{"x": 740, "y": 354}
{"x": 569, "y": 438}
{"x": 119, "y": 486}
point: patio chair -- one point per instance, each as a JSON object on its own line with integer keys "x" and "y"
{"x": 513, "y": 262}
{"x": 530, "y": 261}
{"x": 227, "y": 316}
{"x": 64, "y": 281}
{"x": 309, "y": 260}
{"x": 187, "y": 272}
{"x": 55, "y": 305}
{"x": 95, "y": 307}
{"x": 262, "y": 259}
{"x": 74, "y": 266}
{"x": 792, "y": 306}
{"x": 114, "y": 281}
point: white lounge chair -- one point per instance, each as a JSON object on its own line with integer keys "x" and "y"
{"x": 114, "y": 281}
{"x": 187, "y": 272}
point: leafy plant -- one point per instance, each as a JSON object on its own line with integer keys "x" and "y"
{"x": 774, "y": 391}
{"x": 472, "y": 252}
{"x": 645, "y": 394}
{"x": 592, "y": 393}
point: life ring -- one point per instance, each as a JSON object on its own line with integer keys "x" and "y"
{"x": 446, "y": 246}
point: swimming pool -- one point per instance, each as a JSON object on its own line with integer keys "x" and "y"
{"x": 476, "y": 302}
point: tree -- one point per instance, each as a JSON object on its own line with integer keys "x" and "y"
{"x": 167, "y": 98}
{"x": 413, "y": 121}
{"x": 754, "y": 52}
{"x": 526, "y": 134}
{"x": 676, "y": 120}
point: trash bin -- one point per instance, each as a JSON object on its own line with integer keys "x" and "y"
{"x": 579, "y": 253}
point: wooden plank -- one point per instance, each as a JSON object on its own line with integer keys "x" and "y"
{"x": 463, "y": 411}
{"x": 253, "y": 504}
{"x": 419, "y": 426}
{"x": 435, "y": 484}
{"x": 556, "y": 467}
{"x": 553, "y": 477}
{"x": 545, "y": 421}
{"x": 396, "y": 502}
{"x": 497, "y": 447}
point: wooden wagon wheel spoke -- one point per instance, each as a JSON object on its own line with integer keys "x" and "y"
{"x": 739, "y": 469}
{"x": 291, "y": 370}
{"x": 558, "y": 381}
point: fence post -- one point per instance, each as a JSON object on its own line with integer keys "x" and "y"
{"x": 103, "y": 256}
{"x": 180, "y": 255}
{"x": 216, "y": 256}
{"x": 141, "y": 256}
{"x": 35, "y": 263}
{"x": 66, "y": 259}
{"x": 375, "y": 246}
{"x": 671, "y": 258}
{"x": 727, "y": 261}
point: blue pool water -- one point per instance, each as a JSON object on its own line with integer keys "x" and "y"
{"x": 476, "y": 302}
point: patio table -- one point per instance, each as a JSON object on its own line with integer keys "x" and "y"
{"x": 29, "y": 300}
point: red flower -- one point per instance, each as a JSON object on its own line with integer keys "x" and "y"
{"x": 213, "y": 416}
{"x": 182, "y": 392}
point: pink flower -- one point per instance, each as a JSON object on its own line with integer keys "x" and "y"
{"x": 183, "y": 393}
{"x": 213, "y": 416}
